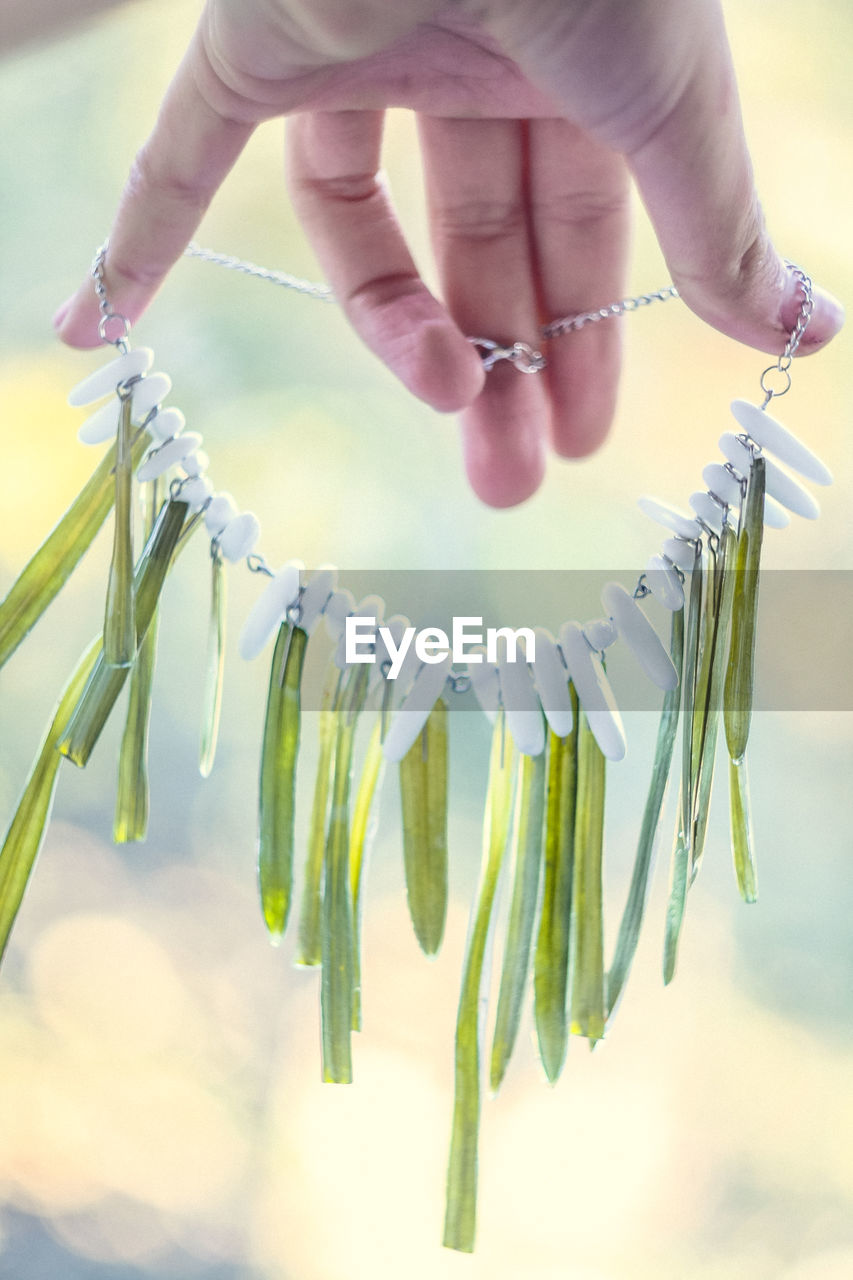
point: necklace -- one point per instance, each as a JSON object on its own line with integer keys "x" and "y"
{"x": 555, "y": 719}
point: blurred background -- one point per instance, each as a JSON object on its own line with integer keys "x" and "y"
{"x": 161, "y": 1113}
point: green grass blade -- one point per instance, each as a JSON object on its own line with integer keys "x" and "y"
{"x": 212, "y": 703}
{"x": 131, "y": 812}
{"x": 119, "y": 613}
{"x": 338, "y": 978}
{"x": 60, "y": 553}
{"x": 551, "y": 961}
{"x": 26, "y": 831}
{"x": 741, "y": 823}
{"x": 309, "y": 948}
{"x": 587, "y": 928}
{"x": 740, "y": 673}
{"x": 675, "y": 905}
{"x": 423, "y": 794}
{"x": 360, "y": 832}
{"x": 632, "y": 916}
{"x": 461, "y": 1202}
{"x": 105, "y": 683}
{"x": 528, "y": 838}
{"x": 707, "y": 741}
{"x": 277, "y": 791}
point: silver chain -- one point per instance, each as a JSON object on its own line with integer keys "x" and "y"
{"x": 783, "y": 364}
{"x": 311, "y": 288}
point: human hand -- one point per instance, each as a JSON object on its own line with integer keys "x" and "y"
{"x": 531, "y": 118}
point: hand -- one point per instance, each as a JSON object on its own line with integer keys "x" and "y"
{"x": 531, "y": 118}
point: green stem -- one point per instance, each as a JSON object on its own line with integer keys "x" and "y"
{"x": 119, "y": 615}
{"x": 587, "y": 949}
{"x": 309, "y": 944}
{"x": 423, "y": 795}
{"x": 371, "y": 775}
{"x": 212, "y": 704}
{"x": 741, "y": 824}
{"x": 741, "y": 668}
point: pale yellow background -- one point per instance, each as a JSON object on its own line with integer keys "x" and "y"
{"x": 160, "y": 1107}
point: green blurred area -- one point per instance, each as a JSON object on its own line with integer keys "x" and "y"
{"x": 161, "y": 1113}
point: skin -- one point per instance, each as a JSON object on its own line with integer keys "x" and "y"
{"x": 532, "y": 120}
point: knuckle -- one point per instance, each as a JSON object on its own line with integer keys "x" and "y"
{"x": 481, "y": 221}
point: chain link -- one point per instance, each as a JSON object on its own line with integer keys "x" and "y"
{"x": 782, "y": 367}
{"x": 109, "y": 316}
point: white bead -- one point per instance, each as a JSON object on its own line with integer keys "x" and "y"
{"x": 672, "y": 519}
{"x": 104, "y": 381}
{"x": 594, "y": 692}
{"x": 319, "y": 587}
{"x": 600, "y": 633}
{"x": 777, "y": 483}
{"x": 168, "y": 455}
{"x": 396, "y": 625}
{"x": 707, "y": 509}
{"x": 485, "y": 683}
{"x": 196, "y": 491}
{"x": 679, "y": 552}
{"x": 552, "y": 683}
{"x": 771, "y": 435}
{"x": 195, "y": 463}
{"x": 103, "y": 423}
{"x": 409, "y": 668}
{"x": 413, "y": 714}
{"x": 239, "y": 536}
{"x": 221, "y": 509}
{"x": 664, "y": 583}
{"x": 639, "y": 635}
{"x": 521, "y": 704}
{"x": 269, "y": 610}
{"x": 722, "y": 483}
{"x": 165, "y": 424}
{"x": 339, "y": 605}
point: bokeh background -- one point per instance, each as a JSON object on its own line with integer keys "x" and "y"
{"x": 160, "y": 1107}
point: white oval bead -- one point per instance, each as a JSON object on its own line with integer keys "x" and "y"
{"x": 195, "y": 463}
{"x": 679, "y": 552}
{"x": 196, "y": 491}
{"x": 485, "y": 682}
{"x": 409, "y": 669}
{"x": 594, "y": 692}
{"x": 396, "y": 624}
{"x": 104, "y": 381}
{"x": 165, "y": 424}
{"x": 521, "y": 703}
{"x": 413, "y": 714}
{"x": 600, "y": 633}
{"x": 552, "y": 683}
{"x": 664, "y": 583}
{"x": 707, "y": 509}
{"x": 339, "y": 605}
{"x": 221, "y": 509}
{"x": 103, "y": 423}
{"x": 168, "y": 455}
{"x": 239, "y": 536}
{"x": 722, "y": 483}
{"x": 771, "y": 435}
{"x": 639, "y": 635}
{"x": 777, "y": 483}
{"x": 269, "y": 609}
{"x": 672, "y": 519}
{"x": 319, "y": 587}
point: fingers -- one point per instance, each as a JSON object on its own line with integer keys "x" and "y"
{"x": 475, "y": 172}
{"x": 344, "y": 207}
{"x": 171, "y": 184}
{"x": 579, "y": 216}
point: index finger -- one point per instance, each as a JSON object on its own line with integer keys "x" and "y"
{"x": 173, "y": 179}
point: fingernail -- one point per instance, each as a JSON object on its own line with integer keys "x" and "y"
{"x": 826, "y": 319}
{"x": 61, "y": 313}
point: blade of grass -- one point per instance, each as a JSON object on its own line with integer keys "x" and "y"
{"x": 105, "y": 683}
{"x": 360, "y": 833}
{"x": 632, "y": 916}
{"x": 26, "y": 831}
{"x": 277, "y": 791}
{"x": 50, "y": 568}
{"x": 309, "y": 948}
{"x": 212, "y": 703}
{"x": 119, "y": 612}
{"x": 527, "y": 856}
{"x": 461, "y": 1197}
{"x": 741, "y": 824}
{"x": 423, "y": 795}
{"x": 587, "y": 925}
{"x": 741, "y": 666}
